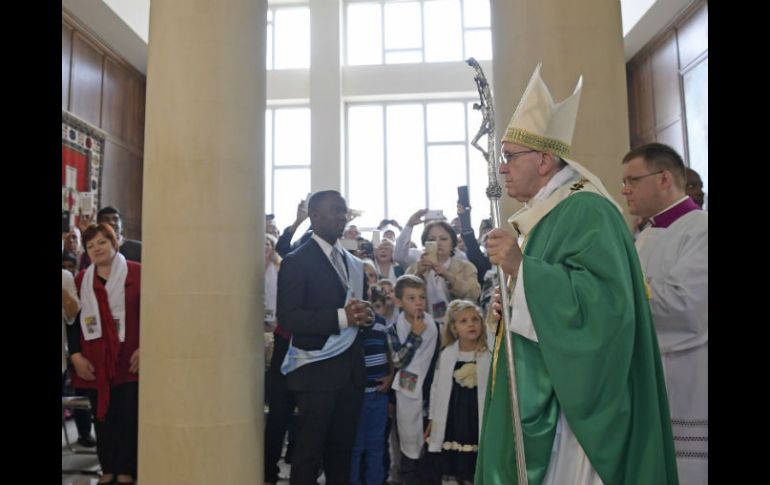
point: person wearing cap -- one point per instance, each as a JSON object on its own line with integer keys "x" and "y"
{"x": 589, "y": 378}
{"x": 674, "y": 251}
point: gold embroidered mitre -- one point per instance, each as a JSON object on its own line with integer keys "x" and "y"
{"x": 541, "y": 124}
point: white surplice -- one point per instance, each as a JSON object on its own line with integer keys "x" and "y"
{"x": 675, "y": 265}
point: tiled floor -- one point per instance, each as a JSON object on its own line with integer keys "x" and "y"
{"x": 89, "y": 462}
{"x": 77, "y": 461}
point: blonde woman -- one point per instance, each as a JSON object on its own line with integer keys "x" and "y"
{"x": 272, "y": 265}
{"x": 280, "y": 401}
{"x": 457, "y": 394}
{"x": 383, "y": 261}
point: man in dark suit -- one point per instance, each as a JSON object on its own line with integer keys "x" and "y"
{"x": 320, "y": 291}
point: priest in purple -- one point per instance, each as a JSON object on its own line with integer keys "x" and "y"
{"x": 673, "y": 251}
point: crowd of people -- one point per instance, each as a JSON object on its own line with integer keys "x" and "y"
{"x": 101, "y": 287}
{"x": 388, "y": 362}
{"x": 609, "y": 329}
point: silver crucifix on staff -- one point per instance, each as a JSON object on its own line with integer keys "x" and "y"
{"x": 494, "y": 192}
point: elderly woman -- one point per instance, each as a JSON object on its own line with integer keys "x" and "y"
{"x": 104, "y": 349}
{"x": 383, "y": 261}
{"x": 446, "y": 278}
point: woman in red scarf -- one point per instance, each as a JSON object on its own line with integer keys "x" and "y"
{"x": 104, "y": 348}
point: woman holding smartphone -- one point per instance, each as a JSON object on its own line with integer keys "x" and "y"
{"x": 104, "y": 348}
{"x": 446, "y": 278}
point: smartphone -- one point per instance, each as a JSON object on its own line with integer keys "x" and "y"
{"x": 366, "y": 249}
{"x": 430, "y": 250}
{"x": 463, "y": 198}
{"x": 65, "y": 221}
{"x": 375, "y": 238}
{"x": 433, "y": 215}
{"x": 86, "y": 202}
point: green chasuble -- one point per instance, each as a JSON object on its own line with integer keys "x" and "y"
{"x": 597, "y": 358}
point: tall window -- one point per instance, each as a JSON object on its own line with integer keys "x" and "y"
{"x": 287, "y": 161}
{"x": 406, "y": 156}
{"x": 288, "y": 37}
{"x": 695, "y": 82}
{"x": 393, "y": 32}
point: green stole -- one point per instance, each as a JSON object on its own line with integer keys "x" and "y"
{"x": 597, "y": 359}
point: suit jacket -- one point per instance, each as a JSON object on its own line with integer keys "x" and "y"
{"x": 132, "y": 250}
{"x": 309, "y": 294}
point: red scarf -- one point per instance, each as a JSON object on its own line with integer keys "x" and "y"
{"x": 105, "y": 351}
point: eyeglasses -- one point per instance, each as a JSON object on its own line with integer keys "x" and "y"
{"x": 633, "y": 180}
{"x": 510, "y": 156}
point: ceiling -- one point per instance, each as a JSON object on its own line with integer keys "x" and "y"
{"x": 124, "y": 24}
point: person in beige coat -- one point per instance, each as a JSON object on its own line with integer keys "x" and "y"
{"x": 446, "y": 278}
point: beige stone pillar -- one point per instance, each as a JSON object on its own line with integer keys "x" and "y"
{"x": 201, "y": 384}
{"x": 570, "y": 38}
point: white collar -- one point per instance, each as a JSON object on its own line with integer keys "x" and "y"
{"x": 325, "y": 246}
{"x": 672, "y": 205}
{"x": 560, "y": 178}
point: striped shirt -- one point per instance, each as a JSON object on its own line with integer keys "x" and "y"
{"x": 375, "y": 342}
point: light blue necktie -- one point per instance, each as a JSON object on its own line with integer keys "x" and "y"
{"x": 339, "y": 266}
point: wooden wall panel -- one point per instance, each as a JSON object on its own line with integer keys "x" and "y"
{"x": 135, "y": 112}
{"x": 109, "y": 93}
{"x": 86, "y": 88}
{"x": 66, "y": 57}
{"x": 665, "y": 82}
{"x": 632, "y": 86}
{"x": 654, "y": 80}
{"x": 642, "y": 120}
{"x": 115, "y": 100}
{"x": 133, "y": 208}
{"x": 121, "y": 182}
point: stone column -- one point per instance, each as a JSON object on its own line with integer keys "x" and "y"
{"x": 325, "y": 96}
{"x": 201, "y": 384}
{"x": 570, "y": 38}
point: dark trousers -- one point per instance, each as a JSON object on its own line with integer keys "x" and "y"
{"x": 409, "y": 471}
{"x": 279, "y": 418}
{"x": 326, "y": 430}
{"x": 116, "y": 436}
{"x": 83, "y": 417}
{"x": 421, "y": 471}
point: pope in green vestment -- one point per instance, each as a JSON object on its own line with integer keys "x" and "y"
{"x": 590, "y": 383}
{"x": 597, "y": 359}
